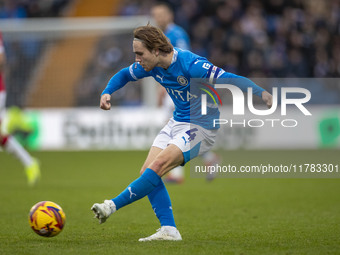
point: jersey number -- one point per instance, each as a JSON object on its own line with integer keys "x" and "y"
{"x": 206, "y": 66}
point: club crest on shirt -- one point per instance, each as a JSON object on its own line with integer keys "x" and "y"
{"x": 182, "y": 80}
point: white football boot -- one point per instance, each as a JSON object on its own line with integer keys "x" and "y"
{"x": 167, "y": 233}
{"x": 103, "y": 211}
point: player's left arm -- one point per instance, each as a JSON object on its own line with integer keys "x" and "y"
{"x": 267, "y": 98}
{"x": 204, "y": 69}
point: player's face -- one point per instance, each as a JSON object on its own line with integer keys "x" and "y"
{"x": 148, "y": 60}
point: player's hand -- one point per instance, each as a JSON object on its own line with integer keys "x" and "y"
{"x": 105, "y": 102}
{"x": 267, "y": 98}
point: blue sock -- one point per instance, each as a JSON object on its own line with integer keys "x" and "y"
{"x": 138, "y": 188}
{"x": 161, "y": 205}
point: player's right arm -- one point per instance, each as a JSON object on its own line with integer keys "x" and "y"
{"x": 119, "y": 80}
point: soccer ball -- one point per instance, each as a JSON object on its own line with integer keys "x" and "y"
{"x": 47, "y": 218}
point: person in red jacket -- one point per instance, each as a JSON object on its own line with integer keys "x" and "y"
{"x": 8, "y": 142}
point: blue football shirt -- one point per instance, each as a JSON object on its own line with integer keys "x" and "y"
{"x": 176, "y": 80}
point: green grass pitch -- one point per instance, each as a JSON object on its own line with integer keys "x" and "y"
{"x": 226, "y": 216}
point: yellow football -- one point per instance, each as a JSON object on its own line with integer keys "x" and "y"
{"x": 47, "y": 218}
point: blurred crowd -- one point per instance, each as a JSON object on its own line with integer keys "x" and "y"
{"x": 267, "y": 38}
{"x": 31, "y": 8}
{"x": 253, "y": 38}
